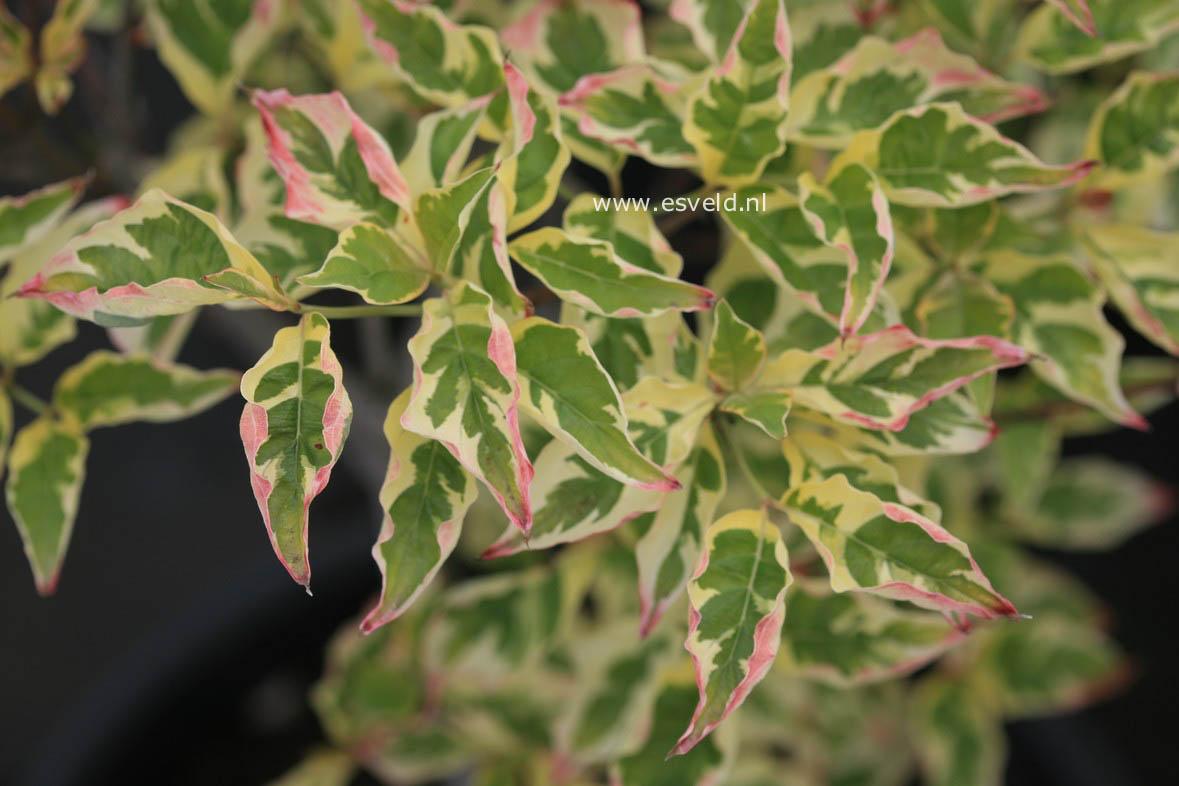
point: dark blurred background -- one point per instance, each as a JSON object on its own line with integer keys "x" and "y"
{"x": 178, "y": 651}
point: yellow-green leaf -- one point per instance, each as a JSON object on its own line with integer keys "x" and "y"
{"x": 1140, "y": 269}
{"x": 1135, "y": 133}
{"x": 374, "y": 263}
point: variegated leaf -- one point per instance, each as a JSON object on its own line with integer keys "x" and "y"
{"x": 465, "y": 393}
{"x": 425, "y": 496}
{"x": 575, "y": 500}
{"x": 812, "y": 457}
{"x": 16, "y": 51}
{"x": 632, "y": 234}
{"x": 617, "y": 680}
{"x": 737, "y": 595}
{"x": 868, "y": 84}
{"x": 1051, "y": 42}
{"x": 195, "y": 176}
{"x": 337, "y": 169}
{"x": 559, "y": 42}
{"x": 534, "y": 155}
{"x": 293, "y": 427}
{"x": 737, "y": 118}
{"x": 636, "y": 109}
{"x": 465, "y": 227}
{"x": 736, "y": 352}
{"x": 765, "y": 408}
{"x": 879, "y": 380}
{"x": 1135, "y": 133}
{"x": 588, "y": 274}
{"x": 335, "y": 34}
{"x": 442, "y": 145}
{"x": 26, "y": 219}
{"x": 822, "y": 32}
{"x": 784, "y": 244}
{"x": 148, "y": 260}
{"x": 30, "y": 329}
{"x": 376, "y": 264}
{"x": 850, "y": 213}
{"x": 108, "y": 389}
{"x": 890, "y": 550}
{"x": 957, "y": 731}
{"x": 209, "y": 46}
{"x": 1058, "y": 319}
{"x": 565, "y": 389}
{"x": 446, "y": 63}
{"x": 1140, "y": 270}
{"x": 46, "y": 466}
{"x": 855, "y": 638}
{"x": 961, "y": 305}
{"x": 938, "y": 156}
{"x": 1090, "y": 504}
{"x": 706, "y": 763}
{"x": 714, "y": 24}
{"x": 667, "y": 551}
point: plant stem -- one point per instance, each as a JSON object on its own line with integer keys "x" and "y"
{"x": 767, "y": 499}
{"x": 27, "y": 399}
{"x": 353, "y": 312}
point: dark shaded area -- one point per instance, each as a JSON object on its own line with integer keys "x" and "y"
{"x": 178, "y": 651}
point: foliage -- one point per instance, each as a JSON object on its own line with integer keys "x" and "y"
{"x": 791, "y": 468}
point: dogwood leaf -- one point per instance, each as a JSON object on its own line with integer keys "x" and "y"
{"x": 958, "y": 734}
{"x": 293, "y": 428}
{"x": 425, "y": 496}
{"x": 442, "y": 145}
{"x": 736, "y": 352}
{"x": 26, "y": 219}
{"x": 588, "y": 274}
{"x": 108, "y": 389}
{"x": 534, "y": 154}
{"x": 150, "y": 259}
{"x": 374, "y": 263}
{"x": 938, "y": 156}
{"x": 737, "y": 596}
{"x": 1052, "y": 42}
{"x": 1135, "y": 132}
{"x": 46, "y": 466}
{"x": 890, "y": 550}
{"x": 466, "y": 394}
{"x": 1138, "y": 267}
{"x": 737, "y": 118}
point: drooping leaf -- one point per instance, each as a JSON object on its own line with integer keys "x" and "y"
{"x": 209, "y": 47}
{"x": 938, "y": 156}
{"x": 444, "y": 62}
{"x": 575, "y": 500}
{"x": 667, "y": 551}
{"x": 1138, "y": 268}
{"x": 1052, "y": 42}
{"x": 957, "y": 732}
{"x": 46, "y": 466}
{"x": 876, "y": 78}
{"x": 374, "y": 263}
{"x": 890, "y": 550}
{"x": 850, "y": 213}
{"x": 1058, "y": 320}
{"x": 108, "y": 389}
{"x": 1091, "y": 503}
{"x": 425, "y": 496}
{"x": 466, "y": 394}
{"x": 26, "y": 219}
{"x": 293, "y": 428}
{"x": 465, "y": 228}
{"x": 880, "y": 379}
{"x": 337, "y": 169}
{"x": 737, "y": 595}
{"x": 588, "y": 274}
{"x": 565, "y": 389}
{"x": 534, "y": 155}
{"x": 855, "y": 638}
{"x": 636, "y": 109}
{"x": 736, "y": 120}
{"x": 148, "y": 260}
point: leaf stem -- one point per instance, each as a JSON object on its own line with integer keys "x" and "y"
{"x": 354, "y": 312}
{"x": 27, "y": 398}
